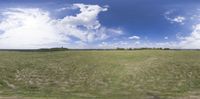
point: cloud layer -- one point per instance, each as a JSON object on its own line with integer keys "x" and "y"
{"x": 193, "y": 40}
{"x": 34, "y": 28}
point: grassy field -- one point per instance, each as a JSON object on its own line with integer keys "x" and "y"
{"x": 146, "y": 74}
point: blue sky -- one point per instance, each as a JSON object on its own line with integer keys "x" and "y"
{"x": 99, "y": 23}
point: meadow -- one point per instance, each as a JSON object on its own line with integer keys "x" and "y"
{"x": 141, "y": 74}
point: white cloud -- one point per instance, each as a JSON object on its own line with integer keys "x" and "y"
{"x": 193, "y": 40}
{"x": 134, "y": 37}
{"x": 28, "y": 29}
{"x": 177, "y": 19}
{"x": 34, "y": 28}
{"x": 68, "y": 7}
{"x": 166, "y": 38}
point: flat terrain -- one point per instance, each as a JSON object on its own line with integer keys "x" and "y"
{"x": 145, "y": 74}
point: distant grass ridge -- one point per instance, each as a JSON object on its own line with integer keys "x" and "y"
{"x": 140, "y": 74}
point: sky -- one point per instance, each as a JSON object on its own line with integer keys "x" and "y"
{"x": 85, "y": 24}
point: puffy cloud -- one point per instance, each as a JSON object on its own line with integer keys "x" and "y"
{"x": 68, "y": 7}
{"x": 27, "y": 29}
{"x": 193, "y": 40}
{"x": 86, "y": 18}
{"x": 179, "y": 19}
{"x": 34, "y": 28}
{"x": 134, "y": 37}
{"x": 166, "y": 38}
{"x": 176, "y": 19}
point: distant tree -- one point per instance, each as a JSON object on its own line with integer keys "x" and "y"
{"x": 166, "y": 49}
{"x": 120, "y": 48}
{"x": 53, "y": 49}
{"x": 129, "y": 49}
{"x": 59, "y": 49}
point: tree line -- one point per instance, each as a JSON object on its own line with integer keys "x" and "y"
{"x": 144, "y": 48}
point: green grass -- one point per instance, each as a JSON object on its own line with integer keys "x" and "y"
{"x": 146, "y": 74}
